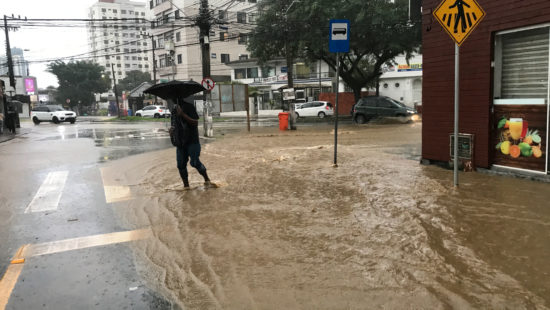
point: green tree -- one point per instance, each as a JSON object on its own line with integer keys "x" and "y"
{"x": 132, "y": 80}
{"x": 380, "y": 31}
{"x": 78, "y": 81}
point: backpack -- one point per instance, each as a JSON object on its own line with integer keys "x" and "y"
{"x": 181, "y": 133}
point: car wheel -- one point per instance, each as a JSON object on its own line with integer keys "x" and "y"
{"x": 55, "y": 120}
{"x": 35, "y": 120}
{"x": 321, "y": 115}
{"x": 72, "y": 120}
{"x": 138, "y": 115}
{"x": 157, "y": 115}
{"x": 360, "y": 119}
{"x": 297, "y": 115}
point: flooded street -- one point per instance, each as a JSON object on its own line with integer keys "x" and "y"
{"x": 286, "y": 230}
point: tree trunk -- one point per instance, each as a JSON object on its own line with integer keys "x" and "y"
{"x": 357, "y": 93}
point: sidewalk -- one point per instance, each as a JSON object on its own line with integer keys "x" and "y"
{"x": 6, "y": 136}
{"x": 261, "y": 114}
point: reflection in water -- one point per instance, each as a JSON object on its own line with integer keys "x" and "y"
{"x": 289, "y": 231}
{"x": 117, "y": 144}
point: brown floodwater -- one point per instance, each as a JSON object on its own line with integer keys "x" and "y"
{"x": 287, "y": 230}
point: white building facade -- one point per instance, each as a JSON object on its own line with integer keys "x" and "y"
{"x": 117, "y": 39}
{"x": 403, "y": 81}
{"x": 173, "y": 26}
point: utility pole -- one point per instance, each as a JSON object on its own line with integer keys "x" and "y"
{"x": 116, "y": 95}
{"x": 205, "y": 23}
{"x": 152, "y": 37}
{"x": 8, "y": 54}
{"x": 289, "y": 68}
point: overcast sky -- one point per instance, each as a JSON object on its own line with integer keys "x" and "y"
{"x": 48, "y": 42}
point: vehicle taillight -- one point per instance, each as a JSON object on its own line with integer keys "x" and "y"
{"x": 160, "y": 110}
{"x": 327, "y": 107}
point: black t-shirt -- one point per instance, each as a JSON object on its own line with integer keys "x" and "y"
{"x": 190, "y": 110}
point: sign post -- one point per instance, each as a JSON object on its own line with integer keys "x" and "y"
{"x": 458, "y": 18}
{"x": 209, "y": 84}
{"x": 338, "y": 43}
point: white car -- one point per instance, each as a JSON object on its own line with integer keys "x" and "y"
{"x": 314, "y": 108}
{"x": 52, "y": 113}
{"x": 155, "y": 111}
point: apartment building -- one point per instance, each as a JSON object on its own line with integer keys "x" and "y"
{"x": 116, "y": 36}
{"x": 177, "y": 46}
{"x": 20, "y": 65}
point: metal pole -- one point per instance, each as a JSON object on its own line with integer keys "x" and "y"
{"x": 457, "y": 90}
{"x": 116, "y": 95}
{"x": 154, "y": 64}
{"x": 336, "y": 110}
{"x": 320, "y": 86}
{"x": 204, "y": 26}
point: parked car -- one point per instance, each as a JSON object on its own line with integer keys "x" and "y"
{"x": 314, "y": 108}
{"x": 52, "y": 113}
{"x": 155, "y": 111}
{"x": 368, "y": 108}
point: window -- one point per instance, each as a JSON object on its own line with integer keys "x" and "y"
{"x": 123, "y": 11}
{"x": 105, "y": 41}
{"x": 213, "y": 55}
{"x": 242, "y": 38}
{"x": 115, "y": 11}
{"x": 118, "y": 65}
{"x": 106, "y": 56}
{"x": 126, "y": 50}
{"x": 177, "y": 14}
{"x": 223, "y": 36}
{"x": 252, "y": 73}
{"x": 118, "y": 50}
{"x": 103, "y": 10}
{"x": 118, "y": 57}
{"x": 179, "y": 59}
{"x": 225, "y": 58}
{"x": 145, "y": 58}
{"x": 252, "y": 1}
{"x": 222, "y": 14}
{"x": 127, "y": 65}
{"x": 252, "y": 17}
{"x": 243, "y": 57}
{"x": 240, "y": 74}
{"x": 521, "y": 66}
{"x": 241, "y": 17}
{"x": 178, "y": 36}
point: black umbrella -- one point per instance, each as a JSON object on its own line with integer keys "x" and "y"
{"x": 175, "y": 89}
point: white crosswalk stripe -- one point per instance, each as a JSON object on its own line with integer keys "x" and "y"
{"x": 48, "y": 195}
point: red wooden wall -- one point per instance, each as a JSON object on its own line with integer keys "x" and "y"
{"x": 475, "y": 75}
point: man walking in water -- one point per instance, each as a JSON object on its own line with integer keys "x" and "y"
{"x": 185, "y": 126}
{"x": 460, "y": 17}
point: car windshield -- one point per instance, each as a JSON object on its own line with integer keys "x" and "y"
{"x": 396, "y": 102}
{"x": 54, "y": 109}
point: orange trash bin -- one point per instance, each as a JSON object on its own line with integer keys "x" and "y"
{"x": 283, "y": 120}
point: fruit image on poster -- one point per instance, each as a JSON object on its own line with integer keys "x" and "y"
{"x": 517, "y": 140}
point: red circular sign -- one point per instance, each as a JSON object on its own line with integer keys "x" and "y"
{"x": 208, "y": 83}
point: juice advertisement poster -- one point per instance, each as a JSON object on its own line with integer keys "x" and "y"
{"x": 518, "y": 140}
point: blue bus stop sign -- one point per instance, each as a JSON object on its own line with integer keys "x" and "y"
{"x": 339, "y": 36}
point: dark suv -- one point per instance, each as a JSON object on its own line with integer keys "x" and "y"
{"x": 368, "y": 108}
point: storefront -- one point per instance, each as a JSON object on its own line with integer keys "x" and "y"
{"x": 504, "y": 89}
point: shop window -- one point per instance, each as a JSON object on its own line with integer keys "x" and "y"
{"x": 521, "y": 67}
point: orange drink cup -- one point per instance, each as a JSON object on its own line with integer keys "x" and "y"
{"x": 516, "y": 127}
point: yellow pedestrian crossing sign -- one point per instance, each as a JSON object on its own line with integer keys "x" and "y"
{"x": 459, "y": 18}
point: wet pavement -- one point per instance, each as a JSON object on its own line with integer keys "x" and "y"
{"x": 285, "y": 229}
{"x": 78, "y": 274}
